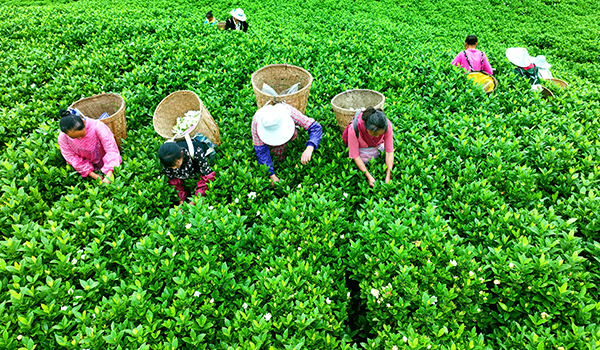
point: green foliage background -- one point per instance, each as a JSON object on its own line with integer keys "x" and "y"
{"x": 485, "y": 239}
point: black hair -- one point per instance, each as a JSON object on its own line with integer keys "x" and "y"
{"x": 471, "y": 40}
{"x": 375, "y": 119}
{"x": 169, "y": 153}
{"x": 70, "y": 122}
{"x": 209, "y": 14}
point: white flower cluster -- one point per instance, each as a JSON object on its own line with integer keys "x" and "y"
{"x": 183, "y": 123}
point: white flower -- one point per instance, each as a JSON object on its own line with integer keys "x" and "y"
{"x": 74, "y": 261}
{"x": 375, "y": 293}
{"x": 229, "y": 211}
{"x": 258, "y": 213}
{"x": 83, "y": 257}
{"x": 496, "y": 282}
{"x": 345, "y": 195}
{"x": 453, "y": 262}
{"x": 252, "y": 195}
{"x": 299, "y": 248}
{"x": 348, "y": 295}
{"x": 80, "y": 251}
{"x": 70, "y": 291}
{"x": 471, "y": 273}
{"x": 19, "y": 337}
{"x": 188, "y": 226}
{"x": 78, "y": 297}
{"x": 342, "y": 236}
{"x": 544, "y": 315}
{"x": 174, "y": 253}
{"x": 481, "y": 279}
{"x": 212, "y": 300}
{"x": 434, "y": 300}
{"x": 394, "y": 347}
{"x": 63, "y": 308}
{"x": 169, "y": 233}
{"x": 404, "y": 338}
{"x": 237, "y": 200}
{"x": 511, "y": 265}
{"x": 245, "y": 306}
{"x": 478, "y": 310}
{"x": 327, "y": 300}
{"x": 299, "y": 185}
{"x": 268, "y": 316}
{"x": 388, "y": 305}
{"x": 429, "y": 346}
{"x": 196, "y": 294}
{"x": 210, "y": 207}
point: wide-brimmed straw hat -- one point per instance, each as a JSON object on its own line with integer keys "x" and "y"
{"x": 275, "y": 125}
{"x": 518, "y": 56}
{"x": 238, "y": 14}
{"x": 540, "y": 62}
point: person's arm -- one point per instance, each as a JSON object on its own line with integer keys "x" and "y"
{"x": 486, "y": 65}
{"x": 388, "y": 143}
{"x": 112, "y": 157}
{"x": 458, "y": 60}
{"x": 83, "y": 166}
{"x": 361, "y": 166}
{"x": 354, "y": 154}
{"x": 314, "y": 129}
{"x": 263, "y": 153}
{"x": 229, "y": 24}
{"x": 245, "y": 26}
{"x": 389, "y": 162}
{"x": 181, "y": 193}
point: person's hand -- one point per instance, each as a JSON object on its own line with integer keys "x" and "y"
{"x": 274, "y": 179}
{"x": 370, "y": 178}
{"x": 106, "y": 180}
{"x": 388, "y": 178}
{"x": 307, "y": 155}
{"x": 181, "y": 202}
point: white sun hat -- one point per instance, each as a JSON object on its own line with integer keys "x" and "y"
{"x": 275, "y": 125}
{"x": 540, "y": 62}
{"x": 238, "y": 14}
{"x": 518, "y": 56}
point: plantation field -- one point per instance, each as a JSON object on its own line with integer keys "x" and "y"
{"x": 486, "y": 237}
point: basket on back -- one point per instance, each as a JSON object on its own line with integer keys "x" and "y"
{"x": 280, "y": 77}
{"x": 487, "y": 82}
{"x": 221, "y": 25}
{"x": 346, "y": 103}
{"x": 176, "y": 105}
{"x": 113, "y": 105}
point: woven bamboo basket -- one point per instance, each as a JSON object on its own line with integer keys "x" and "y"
{"x": 280, "y": 77}
{"x": 475, "y": 75}
{"x": 176, "y": 105}
{"x": 113, "y": 104}
{"x": 546, "y": 93}
{"x": 563, "y": 84}
{"x": 221, "y": 25}
{"x": 346, "y": 103}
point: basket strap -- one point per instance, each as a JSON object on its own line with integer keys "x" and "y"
{"x": 190, "y": 145}
{"x": 467, "y": 58}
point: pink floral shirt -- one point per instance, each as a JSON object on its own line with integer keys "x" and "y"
{"x": 96, "y": 150}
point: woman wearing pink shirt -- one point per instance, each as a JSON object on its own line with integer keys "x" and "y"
{"x": 367, "y": 136}
{"x": 88, "y": 145}
{"x": 472, "y": 59}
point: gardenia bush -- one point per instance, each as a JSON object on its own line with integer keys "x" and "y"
{"x": 486, "y": 237}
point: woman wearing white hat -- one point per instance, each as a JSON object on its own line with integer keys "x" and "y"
{"x": 543, "y": 67}
{"x": 274, "y": 126}
{"x": 525, "y": 66}
{"x": 237, "y": 21}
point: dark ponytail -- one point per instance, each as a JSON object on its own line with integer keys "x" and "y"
{"x": 374, "y": 119}
{"x": 70, "y": 122}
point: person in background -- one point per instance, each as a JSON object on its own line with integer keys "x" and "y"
{"x": 543, "y": 67}
{"x": 237, "y": 21}
{"x": 178, "y": 165}
{"x": 367, "y": 136}
{"x": 88, "y": 145}
{"x": 274, "y": 126}
{"x": 472, "y": 59}
{"x": 210, "y": 19}
{"x": 524, "y": 65}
